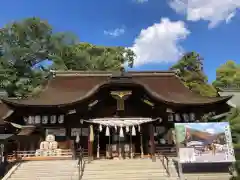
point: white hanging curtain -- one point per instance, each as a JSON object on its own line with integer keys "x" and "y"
{"x": 100, "y": 128}
{"x": 121, "y": 134}
{"x": 133, "y": 131}
{"x": 115, "y": 128}
{"x": 127, "y": 128}
{"x": 107, "y": 131}
{"x": 139, "y": 128}
{"x": 77, "y": 138}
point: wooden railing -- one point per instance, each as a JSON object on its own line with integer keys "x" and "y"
{"x": 81, "y": 163}
{"x": 164, "y": 153}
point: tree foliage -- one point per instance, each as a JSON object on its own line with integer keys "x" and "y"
{"x": 190, "y": 70}
{"x": 228, "y": 75}
{"x": 234, "y": 121}
{"x": 85, "y": 56}
{"x": 24, "y": 44}
{"x": 28, "y": 42}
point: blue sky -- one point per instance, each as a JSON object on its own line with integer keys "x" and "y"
{"x": 208, "y": 127}
{"x": 157, "y": 30}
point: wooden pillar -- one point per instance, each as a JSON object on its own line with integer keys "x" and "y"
{"x": 151, "y": 131}
{"x": 141, "y": 143}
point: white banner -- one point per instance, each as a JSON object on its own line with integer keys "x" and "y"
{"x": 56, "y": 132}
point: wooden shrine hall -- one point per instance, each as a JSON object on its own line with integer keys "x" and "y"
{"x": 123, "y": 114}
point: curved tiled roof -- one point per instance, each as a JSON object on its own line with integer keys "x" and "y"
{"x": 71, "y": 87}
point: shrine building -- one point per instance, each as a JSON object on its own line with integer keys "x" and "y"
{"x": 125, "y": 114}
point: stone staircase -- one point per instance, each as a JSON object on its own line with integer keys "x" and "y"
{"x": 46, "y": 170}
{"x": 196, "y": 176}
{"x": 141, "y": 169}
{"x": 131, "y": 169}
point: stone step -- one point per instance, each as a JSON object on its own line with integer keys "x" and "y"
{"x": 131, "y": 178}
{"x": 26, "y": 176}
{"x": 45, "y": 178}
{"x": 124, "y": 171}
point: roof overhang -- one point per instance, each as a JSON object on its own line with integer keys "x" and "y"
{"x": 125, "y": 83}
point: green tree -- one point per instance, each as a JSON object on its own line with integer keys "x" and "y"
{"x": 234, "y": 121}
{"x": 228, "y": 75}
{"x": 190, "y": 70}
{"x": 85, "y": 56}
{"x": 23, "y": 44}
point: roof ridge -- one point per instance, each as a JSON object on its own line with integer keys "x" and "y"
{"x": 110, "y": 73}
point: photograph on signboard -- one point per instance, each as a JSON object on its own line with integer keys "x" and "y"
{"x": 204, "y": 142}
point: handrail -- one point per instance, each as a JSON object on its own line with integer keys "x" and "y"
{"x": 81, "y": 164}
{"x": 165, "y": 165}
{"x": 164, "y": 153}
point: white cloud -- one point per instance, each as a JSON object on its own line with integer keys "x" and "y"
{"x": 214, "y": 11}
{"x": 141, "y": 1}
{"x": 210, "y": 130}
{"x": 160, "y": 42}
{"x": 115, "y": 32}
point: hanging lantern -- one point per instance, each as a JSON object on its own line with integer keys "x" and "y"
{"x": 185, "y": 117}
{"x": 37, "y": 119}
{"x": 45, "y": 119}
{"x": 115, "y": 128}
{"x": 127, "y": 128}
{"x": 192, "y": 116}
{"x": 107, "y": 131}
{"x": 133, "y": 131}
{"x": 170, "y": 117}
{"x": 100, "y": 128}
{"x": 61, "y": 119}
{"x": 177, "y": 117}
{"x": 31, "y": 120}
{"x": 121, "y": 134}
{"x": 25, "y": 119}
{"x": 53, "y": 119}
